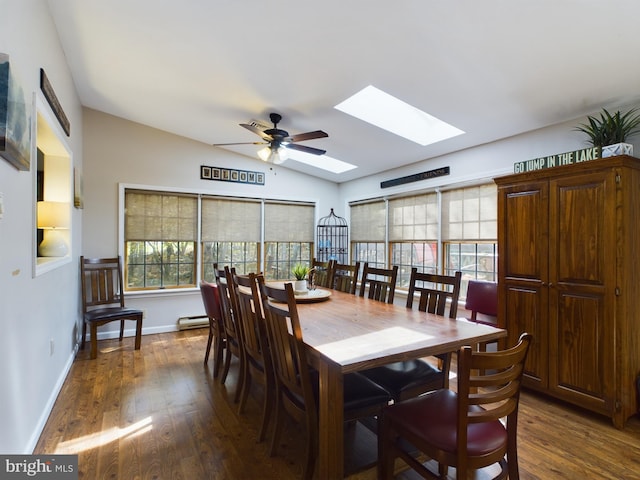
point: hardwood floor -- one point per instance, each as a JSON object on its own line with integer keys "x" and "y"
{"x": 157, "y": 413}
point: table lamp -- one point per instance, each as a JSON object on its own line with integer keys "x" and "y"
{"x": 52, "y": 218}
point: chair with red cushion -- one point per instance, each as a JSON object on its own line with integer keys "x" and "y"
{"x": 463, "y": 429}
{"x": 482, "y": 302}
{"x": 213, "y": 309}
{"x": 482, "y": 298}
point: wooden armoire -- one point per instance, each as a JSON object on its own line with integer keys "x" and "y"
{"x": 569, "y": 273}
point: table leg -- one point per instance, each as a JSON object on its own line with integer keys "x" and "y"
{"x": 331, "y": 423}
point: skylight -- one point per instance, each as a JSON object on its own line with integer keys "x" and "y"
{"x": 389, "y": 113}
{"x": 320, "y": 161}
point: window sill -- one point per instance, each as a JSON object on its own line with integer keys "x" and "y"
{"x": 46, "y": 264}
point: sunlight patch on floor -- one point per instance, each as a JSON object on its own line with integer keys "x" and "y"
{"x": 104, "y": 437}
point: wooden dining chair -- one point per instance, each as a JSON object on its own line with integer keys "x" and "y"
{"x": 103, "y": 299}
{"x": 410, "y": 378}
{"x": 345, "y": 277}
{"x": 232, "y": 329}
{"x": 257, "y": 364}
{"x": 380, "y": 283}
{"x": 322, "y": 273}
{"x": 463, "y": 429}
{"x": 211, "y": 299}
{"x": 297, "y": 384}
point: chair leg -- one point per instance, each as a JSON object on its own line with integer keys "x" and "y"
{"x": 218, "y": 352}
{"x": 121, "y": 329}
{"x": 267, "y": 408}
{"x": 277, "y": 427}
{"x": 138, "y": 333}
{"x": 242, "y": 378}
{"x": 244, "y": 390}
{"x": 84, "y": 334}
{"x": 227, "y": 364}
{"x": 94, "y": 340}
{"x": 209, "y": 342}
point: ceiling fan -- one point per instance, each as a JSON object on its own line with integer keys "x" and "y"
{"x": 277, "y": 141}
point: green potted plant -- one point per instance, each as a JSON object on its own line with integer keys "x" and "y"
{"x": 300, "y": 272}
{"x": 611, "y": 131}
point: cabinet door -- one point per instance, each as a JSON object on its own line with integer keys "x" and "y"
{"x": 523, "y": 271}
{"x": 582, "y": 237}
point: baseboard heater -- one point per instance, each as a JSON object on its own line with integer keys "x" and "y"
{"x": 196, "y": 321}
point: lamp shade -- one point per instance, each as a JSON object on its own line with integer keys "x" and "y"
{"x": 273, "y": 154}
{"x": 53, "y": 215}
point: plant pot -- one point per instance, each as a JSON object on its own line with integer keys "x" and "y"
{"x": 300, "y": 286}
{"x": 617, "y": 149}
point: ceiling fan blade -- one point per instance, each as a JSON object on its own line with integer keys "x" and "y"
{"x": 308, "y": 136}
{"x": 304, "y": 148}
{"x": 239, "y": 143}
{"x": 257, "y": 131}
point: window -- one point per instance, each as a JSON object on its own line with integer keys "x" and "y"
{"x": 368, "y": 233}
{"x": 413, "y": 235}
{"x": 230, "y": 235}
{"x": 469, "y": 232}
{"x": 160, "y": 240}
{"x": 288, "y": 236}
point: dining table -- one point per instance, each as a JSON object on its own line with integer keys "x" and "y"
{"x": 347, "y": 333}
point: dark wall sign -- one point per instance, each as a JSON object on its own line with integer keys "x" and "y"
{"x": 438, "y": 172}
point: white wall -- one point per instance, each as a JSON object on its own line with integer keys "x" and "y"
{"x": 118, "y": 151}
{"x": 33, "y": 311}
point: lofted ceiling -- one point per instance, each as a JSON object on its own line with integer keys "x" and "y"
{"x": 492, "y": 68}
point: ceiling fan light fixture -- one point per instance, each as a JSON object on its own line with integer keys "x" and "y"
{"x": 273, "y": 154}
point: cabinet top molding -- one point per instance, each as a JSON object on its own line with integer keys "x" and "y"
{"x": 577, "y": 167}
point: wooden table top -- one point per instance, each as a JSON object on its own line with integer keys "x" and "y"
{"x": 357, "y": 333}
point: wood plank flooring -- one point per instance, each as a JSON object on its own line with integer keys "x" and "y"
{"x": 157, "y": 413}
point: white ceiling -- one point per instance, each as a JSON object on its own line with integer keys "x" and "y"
{"x": 493, "y": 68}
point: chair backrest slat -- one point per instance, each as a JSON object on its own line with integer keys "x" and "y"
{"x": 254, "y": 333}
{"x": 101, "y": 282}
{"x": 323, "y": 273}
{"x": 287, "y": 349}
{"x": 434, "y": 292}
{"x": 380, "y": 283}
{"x": 345, "y": 277}
{"x": 490, "y": 380}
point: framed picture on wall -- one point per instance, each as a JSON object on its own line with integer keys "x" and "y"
{"x": 15, "y": 119}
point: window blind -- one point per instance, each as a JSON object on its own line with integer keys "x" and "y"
{"x": 414, "y": 218}
{"x": 368, "y": 222}
{"x": 470, "y": 213}
{"x": 226, "y": 220}
{"x": 160, "y": 216}
{"x": 287, "y": 222}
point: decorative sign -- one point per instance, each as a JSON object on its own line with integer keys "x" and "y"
{"x": 231, "y": 175}
{"x": 567, "y": 158}
{"x": 51, "y": 97}
{"x": 438, "y": 172}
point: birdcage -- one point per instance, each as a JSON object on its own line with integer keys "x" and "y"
{"x": 333, "y": 239}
